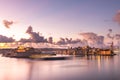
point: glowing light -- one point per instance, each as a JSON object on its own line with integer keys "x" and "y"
{"x": 21, "y": 35}
{"x": 3, "y": 45}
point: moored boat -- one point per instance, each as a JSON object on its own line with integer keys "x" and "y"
{"x": 50, "y": 57}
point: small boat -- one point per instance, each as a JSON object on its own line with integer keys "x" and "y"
{"x": 50, "y": 57}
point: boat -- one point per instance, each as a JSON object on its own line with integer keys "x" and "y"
{"x": 31, "y": 53}
{"x": 50, "y": 57}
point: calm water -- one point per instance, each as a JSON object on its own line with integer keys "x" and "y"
{"x": 77, "y": 68}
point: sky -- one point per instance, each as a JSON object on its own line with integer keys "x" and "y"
{"x": 58, "y": 18}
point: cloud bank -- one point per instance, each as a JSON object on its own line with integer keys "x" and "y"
{"x": 93, "y": 39}
{"x": 64, "y": 41}
{"x": 6, "y": 39}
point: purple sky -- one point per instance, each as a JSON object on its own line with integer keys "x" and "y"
{"x": 59, "y": 18}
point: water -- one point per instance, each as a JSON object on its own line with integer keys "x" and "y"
{"x": 77, "y": 68}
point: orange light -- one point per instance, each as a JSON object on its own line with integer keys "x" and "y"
{"x": 3, "y": 45}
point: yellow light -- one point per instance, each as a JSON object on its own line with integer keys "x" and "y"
{"x": 3, "y": 45}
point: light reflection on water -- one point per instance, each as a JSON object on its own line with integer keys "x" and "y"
{"x": 77, "y": 68}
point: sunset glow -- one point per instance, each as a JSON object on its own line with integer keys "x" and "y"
{"x": 22, "y": 35}
{"x": 64, "y": 21}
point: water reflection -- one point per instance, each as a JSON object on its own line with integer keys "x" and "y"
{"x": 78, "y": 68}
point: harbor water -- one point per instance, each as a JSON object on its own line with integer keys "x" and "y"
{"x": 75, "y": 68}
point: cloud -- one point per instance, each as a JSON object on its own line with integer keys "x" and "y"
{"x": 50, "y": 40}
{"x": 6, "y": 39}
{"x": 25, "y": 40}
{"x": 61, "y": 41}
{"x": 89, "y": 36}
{"x": 69, "y": 42}
{"x": 7, "y": 23}
{"x": 29, "y": 30}
{"x": 34, "y": 37}
{"x": 109, "y": 35}
{"x": 93, "y": 39}
{"x": 117, "y": 36}
{"x": 64, "y": 41}
{"x": 110, "y": 30}
{"x": 117, "y": 17}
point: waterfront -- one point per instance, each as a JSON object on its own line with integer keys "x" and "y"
{"x": 76, "y": 68}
